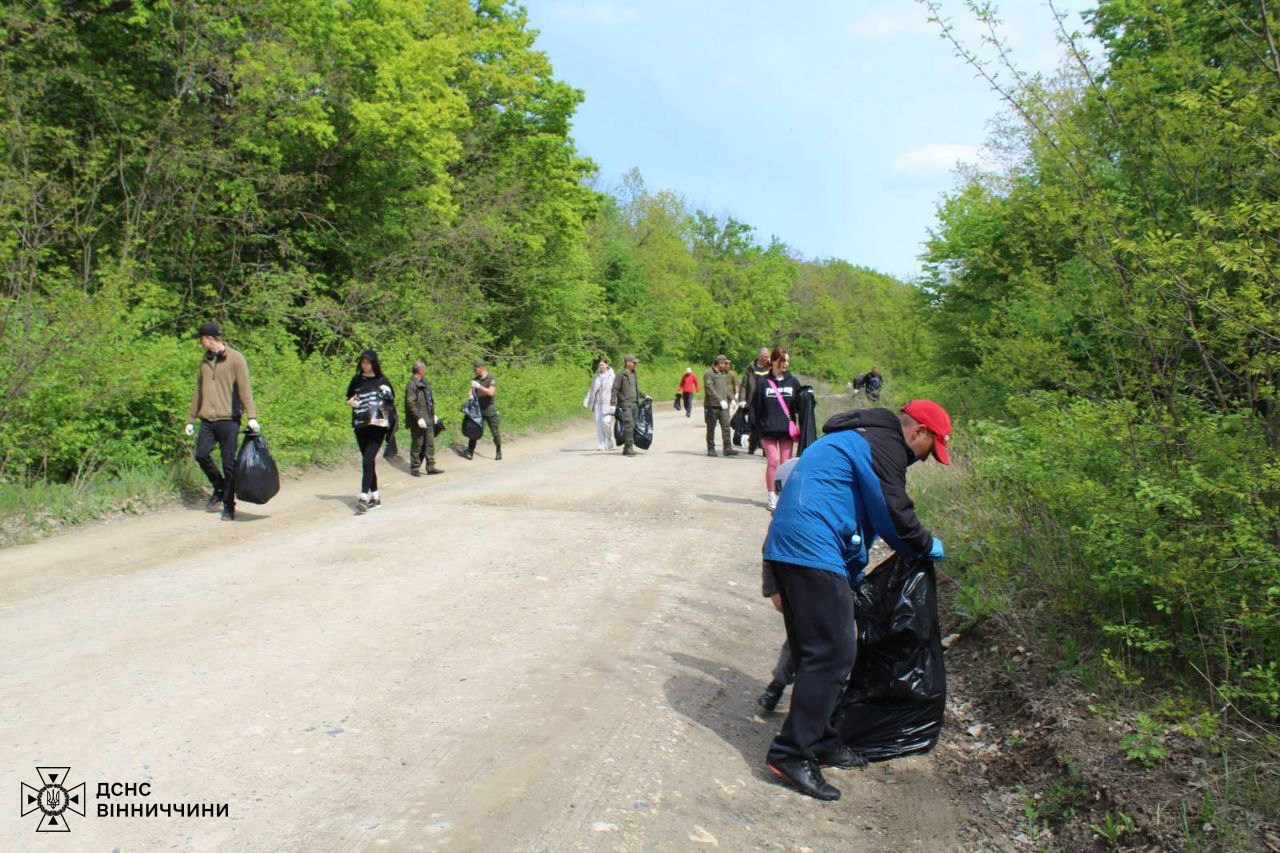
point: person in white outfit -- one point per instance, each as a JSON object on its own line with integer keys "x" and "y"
{"x": 597, "y": 400}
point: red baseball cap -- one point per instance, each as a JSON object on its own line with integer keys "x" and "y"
{"x": 935, "y": 419}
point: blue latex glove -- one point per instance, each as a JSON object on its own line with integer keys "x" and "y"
{"x": 935, "y": 549}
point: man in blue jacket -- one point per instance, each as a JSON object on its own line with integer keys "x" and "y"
{"x": 847, "y": 490}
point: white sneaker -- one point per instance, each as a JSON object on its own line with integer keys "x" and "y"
{"x": 772, "y": 503}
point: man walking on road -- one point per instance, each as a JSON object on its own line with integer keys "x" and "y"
{"x": 486, "y": 389}
{"x": 688, "y": 387}
{"x": 420, "y": 414}
{"x": 626, "y": 397}
{"x": 755, "y": 374}
{"x": 719, "y": 392}
{"x": 848, "y": 489}
{"x": 222, "y": 395}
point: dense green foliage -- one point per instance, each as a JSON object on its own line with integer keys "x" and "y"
{"x": 1111, "y": 305}
{"x": 320, "y": 177}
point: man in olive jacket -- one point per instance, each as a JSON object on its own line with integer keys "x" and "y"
{"x": 718, "y": 394}
{"x": 420, "y": 414}
{"x": 626, "y": 397}
{"x": 221, "y": 397}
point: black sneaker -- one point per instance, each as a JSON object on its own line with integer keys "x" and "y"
{"x": 414, "y": 472}
{"x": 769, "y": 699}
{"x": 431, "y": 469}
{"x": 214, "y": 504}
{"x": 497, "y": 456}
{"x": 627, "y": 451}
{"x": 729, "y": 451}
{"x": 374, "y": 503}
{"x": 805, "y": 776}
{"x": 711, "y": 451}
{"x": 844, "y": 757}
{"x": 228, "y": 513}
{"x": 467, "y": 454}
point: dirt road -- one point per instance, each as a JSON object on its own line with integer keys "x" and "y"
{"x": 559, "y": 651}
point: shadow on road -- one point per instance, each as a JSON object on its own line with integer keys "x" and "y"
{"x": 721, "y": 699}
{"x": 349, "y": 501}
{"x": 726, "y": 499}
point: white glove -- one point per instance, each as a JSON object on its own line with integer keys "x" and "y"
{"x": 385, "y": 389}
{"x": 724, "y": 404}
{"x": 253, "y": 425}
{"x": 191, "y": 429}
{"x": 422, "y": 423}
{"x": 475, "y": 385}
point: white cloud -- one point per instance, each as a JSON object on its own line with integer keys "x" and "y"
{"x": 601, "y": 12}
{"x": 934, "y": 160}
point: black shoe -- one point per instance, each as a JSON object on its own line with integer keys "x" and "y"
{"x": 729, "y": 451}
{"x": 374, "y": 503}
{"x": 711, "y": 451}
{"x": 228, "y": 513}
{"x": 214, "y": 504}
{"x": 629, "y": 451}
{"x": 804, "y": 775}
{"x": 844, "y": 757}
{"x": 467, "y": 454}
{"x": 497, "y": 456}
{"x": 769, "y": 699}
{"x": 362, "y": 506}
{"x": 431, "y": 469}
{"x": 415, "y": 472}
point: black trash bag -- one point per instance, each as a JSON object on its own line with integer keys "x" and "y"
{"x": 897, "y": 693}
{"x": 257, "y": 477}
{"x": 472, "y": 423}
{"x": 806, "y": 411}
{"x": 740, "y": 425}
{"x": 617, "y": 425}
{"x": 679, "y": 400}
{"x": 437, "y": 427}
{"x": 390, "y": 450}
{"x": 644, "y": 425}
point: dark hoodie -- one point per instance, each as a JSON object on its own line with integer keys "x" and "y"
{"x": 890, "y": 457}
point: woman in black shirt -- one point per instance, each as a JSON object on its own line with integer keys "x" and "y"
{"x": 773, "y": 412}
{"x": 371, "y": 400}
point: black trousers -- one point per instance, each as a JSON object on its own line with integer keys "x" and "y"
{"x": 223, "y": 434}
{"x": 688, "y": 403}
{"x": 370, "y": 439}
{"x": 817, "y": 607}
{"x": 491, "y": 418}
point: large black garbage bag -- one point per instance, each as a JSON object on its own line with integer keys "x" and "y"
{"x": 472, "y": 423}
{"x": 617, "y": 425}
{"x": 257, "y": 477}
{"x": 897, "y": 692}
{"x": 644, "y": 425}
{"x": 806, "y": 415}
{"x": 740, "y": 425}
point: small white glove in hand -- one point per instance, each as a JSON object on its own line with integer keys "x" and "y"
{"x": 422, "y": 423}
{"x": 724, "y": 404}
{"x": 253, "y": 425}
{"x": 475, "y": 385}
{"x": 191, "y": 429}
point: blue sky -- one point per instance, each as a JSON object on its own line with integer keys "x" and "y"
{"x": 834, "y": 125}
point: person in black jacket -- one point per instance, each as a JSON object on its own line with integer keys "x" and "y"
{"x": 372, "y": 404}
{"x": 773, "y": 409}
{"x": 420, "y": 414}
{"x": 846, "y": 492}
